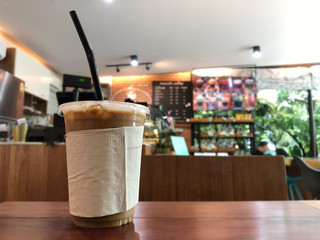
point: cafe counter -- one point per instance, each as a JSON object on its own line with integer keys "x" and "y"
{"x": 33, "y": 171}
{"x": 38, "y": 172}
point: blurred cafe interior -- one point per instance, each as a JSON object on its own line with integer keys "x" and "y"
{"x": 233, "y": 90}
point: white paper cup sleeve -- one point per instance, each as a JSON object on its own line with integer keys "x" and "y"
{"x": 103, "y": 170}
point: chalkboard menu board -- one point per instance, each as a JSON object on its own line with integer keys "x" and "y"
{"x": 175, "y": 98}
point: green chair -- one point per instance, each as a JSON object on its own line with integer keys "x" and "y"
{"x": 292, "y": 183}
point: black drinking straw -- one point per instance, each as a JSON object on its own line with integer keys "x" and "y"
{"x": 90, "y": 55}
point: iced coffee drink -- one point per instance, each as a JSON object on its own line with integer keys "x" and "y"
{"x": 92, "y": 127}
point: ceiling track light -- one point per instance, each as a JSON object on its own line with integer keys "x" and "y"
{"x": 256, "y": 52}
{"x": 133, "y": 62}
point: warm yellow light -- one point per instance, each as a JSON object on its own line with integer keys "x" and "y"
{"x": 132, "y": 95}
{"x": 46, "y": 79}
{"x": 212, "y": 72}
{"x": 106, "y": 80}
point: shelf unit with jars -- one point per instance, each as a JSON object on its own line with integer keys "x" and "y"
{"x": 223, "y": 133}
{"x": 34, "y": 105}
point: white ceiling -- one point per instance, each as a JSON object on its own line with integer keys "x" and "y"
{"x": 176, "y": 35}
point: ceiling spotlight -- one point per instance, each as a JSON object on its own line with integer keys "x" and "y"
{"x": 256, "y": 52}
{"x": 134, "y": 60}
{"x": 108, "y": 1}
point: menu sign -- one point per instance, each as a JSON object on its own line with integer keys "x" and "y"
{"x": 224, "y": 93}
{"x": 175, "y": 98}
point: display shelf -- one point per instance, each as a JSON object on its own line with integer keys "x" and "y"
{"x": 30, "y": 111}
{"x": 34, "y": 105}
{"x": 236, "y": 137}
{"x": 197, "y": 134}
{"x": 219, "y": 120}
{"x": 217, "y": 135}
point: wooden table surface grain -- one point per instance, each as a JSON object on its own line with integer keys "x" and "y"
{"x": 169, "y": 220}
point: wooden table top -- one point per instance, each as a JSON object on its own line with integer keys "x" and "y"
{"x": 169, "y": 220}
{"x": 312, "y": 162}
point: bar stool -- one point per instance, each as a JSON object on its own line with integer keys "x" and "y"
{"x": 292, "y": 182}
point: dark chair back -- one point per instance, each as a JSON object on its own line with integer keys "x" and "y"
{"x": 310, "y": 176}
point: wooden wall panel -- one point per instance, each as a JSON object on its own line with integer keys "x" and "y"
{"x": 27, "y": 173}
{"x": 204, "y": 179}
{"x": 259, "y": 178}
{"x": 158, "y": 178}
{"x": 4, "y": 172}
{"x": 8, "y": 63}
{"x": 57, "y": 178}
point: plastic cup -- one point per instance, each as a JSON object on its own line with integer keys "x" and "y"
{"x": 19, "y": 133}
{"x": 86, "y": 115}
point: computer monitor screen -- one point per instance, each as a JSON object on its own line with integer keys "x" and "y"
{"x": 64, "y": 97}
{"x": 179, "y": 146}
{"x": 76, "y": 81}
